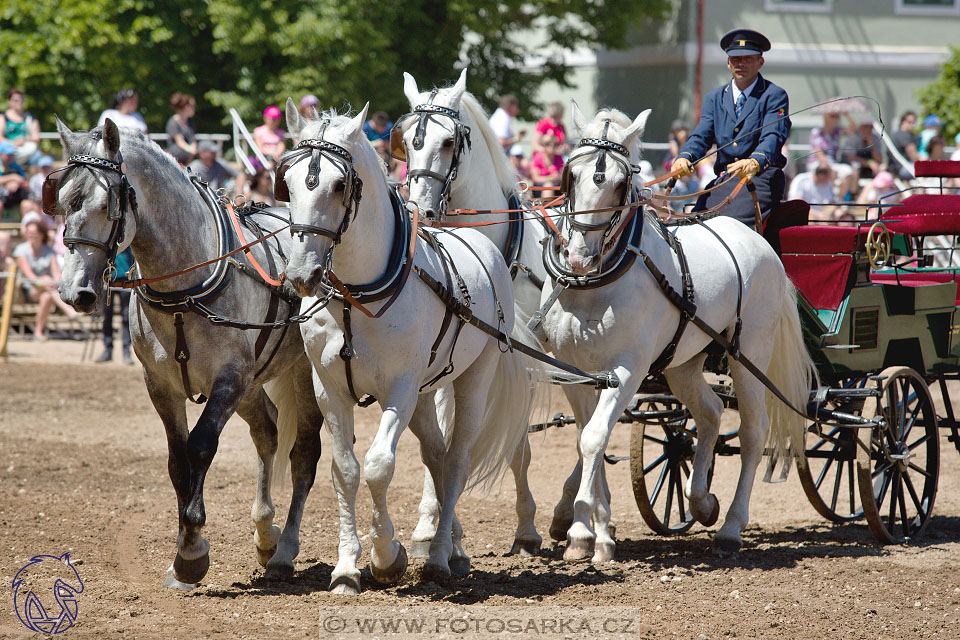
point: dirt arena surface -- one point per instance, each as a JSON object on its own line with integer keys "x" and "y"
{"x": 83, "y": 471}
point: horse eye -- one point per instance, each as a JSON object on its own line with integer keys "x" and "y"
{"x": 339, "y": 186}
{"x": 448, "y": 143}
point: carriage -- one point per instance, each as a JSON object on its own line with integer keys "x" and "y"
{"x": 880, "y": 322}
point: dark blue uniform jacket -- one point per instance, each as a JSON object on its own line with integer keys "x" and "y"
{"x": 764, "y": 110}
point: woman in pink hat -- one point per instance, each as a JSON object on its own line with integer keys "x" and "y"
{"x": 270, "y": 138}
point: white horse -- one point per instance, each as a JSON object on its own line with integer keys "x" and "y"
{"x": 122, "y": 190}
{"x": 626, "y": 323}
{"x": 364, "y": 242}
{"x": 455, "y": 160}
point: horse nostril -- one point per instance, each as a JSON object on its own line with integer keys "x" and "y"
{"x": 430, "y": 214}
{"x": 86, "y": 298}
{"x": 566, "y": 253}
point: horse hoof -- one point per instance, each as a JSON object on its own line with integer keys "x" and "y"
{"x": 714, "y": 515}
{"x": 459, "y": 566}
{"x": 578, "y": 550}
{"x": 393, "y": 573}
{"x": 170, "y": 582}
{"x": 277, "y": 571}
{"x": 435, "y": 573}
{"x": 420, "y": 548}
{"x": 266, "y": 545}
{"x": 525, "y": 548}
{"x": 612, "y": 528}
{"x": 603, "y": 552}
{"x": 264, "y": 555}
{"x": 724, "y": 548}
{"x": 559, "y": 528}
{"x": 191, "y": 571}
{"x": 346, "y": 585}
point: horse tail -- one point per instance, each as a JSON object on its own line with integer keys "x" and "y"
{"x": 793, "y": 372}
{"x": 284, "y": 397}
{"x": 515, "y": 392}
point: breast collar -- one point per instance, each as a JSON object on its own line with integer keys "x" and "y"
{"x": 174, "y": 301}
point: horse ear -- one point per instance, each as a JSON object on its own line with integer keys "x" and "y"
{"x": 636, "y": 127}
{"x": 355, "y": 126}
{"x": 111, "y": 137}
{"x": 410, "y": 89}
{"x": 295, "y": 121}
{"x": 457, "y": 91}
{"x": 578, "y": 118}
{"x": 68, "y": 139}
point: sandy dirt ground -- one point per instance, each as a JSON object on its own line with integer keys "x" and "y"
{"x": 83, "y": 470}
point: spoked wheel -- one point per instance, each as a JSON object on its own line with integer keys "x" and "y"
{"x": 827, "y": 471}
{"x": 898, "y": 463}
{"x": 661, "y": 460}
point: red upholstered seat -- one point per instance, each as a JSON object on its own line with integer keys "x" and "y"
{"x": 822, "y": 239}
{"x": 937, "y": 168}
{"x": 917, "y": 279}
{"x": 925, "y": 214}
{"x": 819, "y": 258}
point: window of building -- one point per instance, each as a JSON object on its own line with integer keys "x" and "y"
{"x": 928, "y": 7}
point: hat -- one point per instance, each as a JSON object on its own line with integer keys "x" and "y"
{"x": 516, "y": 150}
{"x": 272, "y": 112}
{"x": 208, "y": 145}
{"x": 932, "y": 120}
{"x": 7, "y": 148}
{"x": 868, "y": 122}
{"x": 883, "y": 180}
{"x": 45, "y": 161}
{"x": 309, "y": 100}
{"x": 744, "y": 42}
{"x": 679, "y": 124}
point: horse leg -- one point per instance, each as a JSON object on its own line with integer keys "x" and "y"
{"x": 689, "y": 387}
{"x": 388, "y": 558}
{"x": 260, "y": 414}
{"x": 303, "y": 466}
{"x": 604, "y": 545}
{"x": 754, "y": 428}
{"x": 584, "y": 403}
{"x": 593, "y": 443}
{"x": 193, "y": 551}
{"x": 429, "y": 508}
{"x": 527, "y": 541}
{"x": 169, "y": 405}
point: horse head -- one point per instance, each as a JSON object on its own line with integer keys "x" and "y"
{"x": 318, "y": 179}
{"x": 432, "y": 139}
{"x": 92, "y": 193}
{"x": 600, "y": 176}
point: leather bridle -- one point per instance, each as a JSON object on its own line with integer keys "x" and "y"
{"x": 121, "y": 198}
{"x": 316, "y": 149}
{"x": 461, "y": 140}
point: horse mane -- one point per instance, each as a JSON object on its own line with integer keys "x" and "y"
{"x": 501, "y": 164}
{"x": 335, "y": 122}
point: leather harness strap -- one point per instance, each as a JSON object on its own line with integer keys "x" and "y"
{"x": 182, "y": 355}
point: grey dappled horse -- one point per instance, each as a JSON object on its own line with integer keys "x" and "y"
{"x": 170, "y": 225}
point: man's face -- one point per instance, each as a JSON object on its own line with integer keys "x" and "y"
{"x": 745, "y": 68}
{"x": 513, "y": 109}
{"x": 821, "y": 177}
{"x": 207, "y": 157}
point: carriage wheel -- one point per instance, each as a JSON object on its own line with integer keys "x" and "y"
{"x": 898, "y": 463}
{"x": 661, "y": 460}
{"x": 827, "y": 472}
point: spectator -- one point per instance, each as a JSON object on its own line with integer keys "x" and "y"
{"x": 861, "y": 150}
{"x": 261, "y": 188}
{"x": 825, "y": 142}
{"x": 13, "y": 183}
{"x": 677, "y": 138}
{"x": 906, "y": 144}
{"x": 41, "y": 170}
{"x": 308, "y": 106}
{"x": 38, "y": 264}
{"x": 936, "y": 150}
{"x": 502, "y": 122}
{"x": 553, "y": 124}
{"x": 816, "y": 188}
{"x": 123, "y": 111}
{"x": 686, "y": 185}
{"x": 270, "y": 137}
{"x": 20, "y": 129}
{"x": 215, "y": 173}
{"x": 546, "y": 166}
{"x": 931, "y": 128}
{"x": 881, "y": 189}
{"x": 124, "y": 263}
{"x": 956, "y": 152}
{"x": 520, "y": 167}
{"x": 378, "y": 127}
{"x": 182, "y": 143}
{"x": 30, "y": 211}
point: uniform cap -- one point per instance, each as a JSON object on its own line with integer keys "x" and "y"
{"x": 744, "y": 42}
{"x": 932, "y": 120}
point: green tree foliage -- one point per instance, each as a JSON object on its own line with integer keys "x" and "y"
{"x": 71, "y": 56}
{"x": 942, "y": 96}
